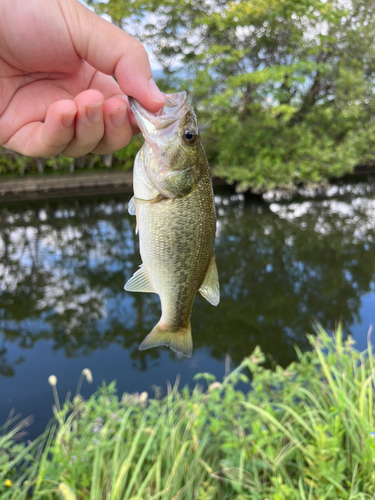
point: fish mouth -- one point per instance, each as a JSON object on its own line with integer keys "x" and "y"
{"x": 163, "y": 122}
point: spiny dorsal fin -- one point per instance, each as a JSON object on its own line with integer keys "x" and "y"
{"x": 140, "y": 282}
{"x": 210, "y": 289}
{"x": 179, "y": 340}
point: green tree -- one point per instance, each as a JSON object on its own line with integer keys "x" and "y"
{"x": 284, "y": 89}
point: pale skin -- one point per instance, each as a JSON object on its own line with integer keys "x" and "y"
{"x": 57, "y": 94}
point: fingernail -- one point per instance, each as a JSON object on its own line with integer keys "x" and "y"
{"x": 119, "y": 117}
{"x": 68, "y": 118}
{"x": 155, "y": 92}
{"x": 95, "y": 112}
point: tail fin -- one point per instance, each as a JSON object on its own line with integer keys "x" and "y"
{"x": 179, "y": 340}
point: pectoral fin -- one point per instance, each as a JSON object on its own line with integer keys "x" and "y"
{"x": 133, "y": 210}
{"x": 131, "y": 207}
{"x": 210, "y": 289}
{"x": 140, "y": 282}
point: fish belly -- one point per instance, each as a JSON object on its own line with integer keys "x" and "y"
{"x": 176, "y": 244}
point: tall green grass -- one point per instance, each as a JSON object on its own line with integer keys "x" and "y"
{"x": 306, "y": 432}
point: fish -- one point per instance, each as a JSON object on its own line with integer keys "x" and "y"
{"x": 175, "y": 218}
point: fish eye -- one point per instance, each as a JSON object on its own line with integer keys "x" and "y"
{"x": 189, "y": 136}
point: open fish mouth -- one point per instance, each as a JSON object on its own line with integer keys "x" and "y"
{"x": 163, "y": 122}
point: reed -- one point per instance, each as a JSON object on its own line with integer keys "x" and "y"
{"x": 306, "y": 432}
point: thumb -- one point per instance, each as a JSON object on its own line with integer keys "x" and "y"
{"x": 112, "y": 51}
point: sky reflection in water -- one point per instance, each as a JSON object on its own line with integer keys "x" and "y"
{"x": 64, "y": 264}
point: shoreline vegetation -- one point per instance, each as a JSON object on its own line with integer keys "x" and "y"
{"x": 306, "y": 432}
{"x": 25, "y": 178}
{"x": 284, "y": 91}
{"x": 102, "y": 182}
{"x": 16, "y": 166}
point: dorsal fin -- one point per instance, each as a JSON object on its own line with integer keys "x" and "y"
{"x": 140, "y": 282}
{"x": 210, "y": 289}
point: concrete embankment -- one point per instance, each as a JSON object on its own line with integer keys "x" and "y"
{"x": 86, "y": 184}
{"x": 60, "y": 186}
{"x": 90, "y": 184}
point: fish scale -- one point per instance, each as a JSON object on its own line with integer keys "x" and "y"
{"x": 185, "y": 231}
{"x": 174, "y": 206}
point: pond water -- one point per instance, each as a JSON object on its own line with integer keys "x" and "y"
{"x": 282, "y": 266}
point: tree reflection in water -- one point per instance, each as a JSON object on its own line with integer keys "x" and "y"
{"x": 281, "y": 264}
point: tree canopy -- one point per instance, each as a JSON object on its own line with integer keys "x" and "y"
{"x": 283, "y": 88}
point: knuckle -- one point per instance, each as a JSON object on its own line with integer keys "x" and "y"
{"x": 70, "y": 153}
{"x": 138, "y": 46}
{"x": 134, "y": 51}
{"x": 110, "y": 146}
{"x": 78, "y": 149}
{"x": 52, "y": 146}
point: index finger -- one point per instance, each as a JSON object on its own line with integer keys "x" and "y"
{"x": 112, "y": 51}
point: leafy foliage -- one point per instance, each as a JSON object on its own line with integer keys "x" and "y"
{"x": 306, "y": 432}
{"x": 14, "y": 163}
{"x": 284, "y": 89}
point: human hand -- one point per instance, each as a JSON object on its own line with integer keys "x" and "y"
{"x": 57, "y": 93}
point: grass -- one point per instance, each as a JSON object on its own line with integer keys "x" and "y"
{"x": 306, "y": 432}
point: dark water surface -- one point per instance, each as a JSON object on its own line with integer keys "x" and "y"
{"x": 63, "y": 265}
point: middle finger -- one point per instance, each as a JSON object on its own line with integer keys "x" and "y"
{"x": 89, "y": 124}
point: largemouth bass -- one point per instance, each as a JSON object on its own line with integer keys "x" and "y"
{"x": 175, "y": 213}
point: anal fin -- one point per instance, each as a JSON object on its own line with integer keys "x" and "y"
{"x": 209, "y": 288}
{"x": 179, "y": 340}
{"x": 140, "y": 282}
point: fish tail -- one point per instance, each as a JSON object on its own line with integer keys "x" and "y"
{"x": 178, "y": 340}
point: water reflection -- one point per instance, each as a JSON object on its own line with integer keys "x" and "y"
{"x": 281, "y": 264}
